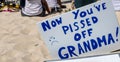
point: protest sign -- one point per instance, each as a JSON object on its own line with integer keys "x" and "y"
{"x": 86, "y": 31}
{"x": 105, "y": 58}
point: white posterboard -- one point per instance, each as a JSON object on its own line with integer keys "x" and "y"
{"x": 105, "y": 58}
{"x": 86, "y": 31}
{"x": 116, "y": 4}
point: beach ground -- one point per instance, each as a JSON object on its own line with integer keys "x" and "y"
{"x": 20, "y": 40}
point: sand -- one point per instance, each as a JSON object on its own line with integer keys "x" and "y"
{"x": 20, "y": 40}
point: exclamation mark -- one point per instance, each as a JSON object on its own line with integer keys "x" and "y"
{"x": 117, "y": 32}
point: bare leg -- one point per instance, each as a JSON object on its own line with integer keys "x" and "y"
{"x": 59, "y": 2}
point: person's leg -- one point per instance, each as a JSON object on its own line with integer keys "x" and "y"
{"x": 59, "y": 2}
{"x": 43, "y": 14}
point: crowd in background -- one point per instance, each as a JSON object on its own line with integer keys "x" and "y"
{"x": 6, "y": 5}
{"x": 38, "y": 7}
